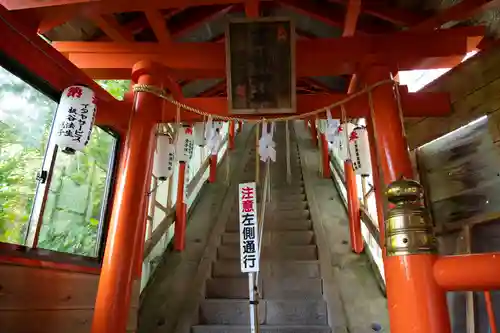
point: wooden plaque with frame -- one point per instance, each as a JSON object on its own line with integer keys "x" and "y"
{"x": 260, "y": 65}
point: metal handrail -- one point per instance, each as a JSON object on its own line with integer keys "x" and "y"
{"x": 266, "y": 194}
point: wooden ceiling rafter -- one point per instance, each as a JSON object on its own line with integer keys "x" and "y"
{"x": 330, "y": 15}
{"x": 158, "y": 25}
{"x": 382, "y": 10}
{"x": 51, "y": 17}
{"x": 315, "y": 57}
{"x": 458, "y": 12}
{"x": 110, "y": 26}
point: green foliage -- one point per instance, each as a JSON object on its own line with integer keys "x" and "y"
{"x": 74, "y": 203}
{"x": 117, "y": 88}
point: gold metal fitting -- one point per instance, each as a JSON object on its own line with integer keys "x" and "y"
{"x": 408, "y": 227}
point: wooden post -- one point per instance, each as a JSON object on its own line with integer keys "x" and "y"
{"x": 415, "y": 301}
{"x": 212, "y": 176}
{"x": 180, "y": 211}
{"x": 127, "y": 222}
{"x": 231, "y": 135}
{"x": 356, "y": 237}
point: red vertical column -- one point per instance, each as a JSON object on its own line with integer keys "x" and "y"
{"x": 314, "y": 132}
{"x": 356, "y": 237}
{"x": 231, "y": 135}
{"x": 377, "y": 181}
{"x": 212, "y": 176}
{"x": 416, "y": 303}
{"x": 127, "y": 223}
{"x": 240, "y": 126}
{"x": 325, "y": 156}
{"x": 180, "y": 211}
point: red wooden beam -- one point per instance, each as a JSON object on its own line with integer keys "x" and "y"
{"x": 461, "y": 11}
{"x": 351, "y": 17}
{"x": 52, "y": 16}
{"x": 110, "y": 26}
{"x": 252, "y": 8}
{"x": 37, "y": 56}
{"x": 414, "y": 105}
{"x": 382, "y": 10}
{"x": 26, "y": 4}
{"x": 157, "y": 22}
{"x": 328, "y": 14}
{"x": 318, "y": 57}
{"x": 197, "y": 17}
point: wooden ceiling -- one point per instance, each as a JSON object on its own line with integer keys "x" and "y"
{"x": 139, "y": 25}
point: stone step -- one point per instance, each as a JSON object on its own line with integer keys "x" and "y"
{"x": 275, "y": 238}
{"x": 286, "y": 215}
{"x": 291, "y": 205}
{"x": 275, "y": 224}
{"x": 298, "y": 252}
{"x": 263, "y": 329}
{"x": 271, "y": 312}
{"x": 269, "y": 288}
{"x": 278, "y": 269}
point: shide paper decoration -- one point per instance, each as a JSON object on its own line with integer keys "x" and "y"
{"x": 74, "y": 119}
{"x": 266, "y": 144}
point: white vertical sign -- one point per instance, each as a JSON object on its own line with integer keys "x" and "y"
{"x": 359, "y": 147}
{"x": 249, "y": 235}
{"x": 184, "y": 144}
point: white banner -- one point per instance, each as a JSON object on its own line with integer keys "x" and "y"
{"x": 184, "y": 144}
{"x": 359, "y": 147}
{"x": 249, "y": 235}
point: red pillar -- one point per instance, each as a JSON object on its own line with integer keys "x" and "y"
{"x": 126, "y": 224}
{"x": 314, "y": 132}
{"x": 231, "y": 135}
{"x": 356, "y": 237}
{"x": 212, "y": 176}
{"x": 325, "y": 156}
{"x": 377, "y": 181}
{"x": 180, "y": 211}
{"x": 416, "y": 303}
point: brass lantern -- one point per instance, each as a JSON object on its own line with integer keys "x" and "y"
{"x": 408, "y": 227}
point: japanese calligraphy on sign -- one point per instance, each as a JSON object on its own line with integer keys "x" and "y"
{"x": 75, "y": 118}
{"x": 249, "y": 235}
{"x": 185, "y": 144}
{"x": 359, "y": 148}
{"x": 261, "y": 66}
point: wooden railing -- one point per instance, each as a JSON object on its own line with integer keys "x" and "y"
{"x": 155, "y": 236}
{"x": 338, "y": 177}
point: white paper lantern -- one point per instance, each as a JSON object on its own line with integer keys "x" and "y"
{"x": 164, "y": 159}
{"x": 74, "y": 119}
{"x": 184, "y": 144}
{"x": 341, "y": 143}
{"x": 359, "y": 146}
{"x": 200, "y": 130}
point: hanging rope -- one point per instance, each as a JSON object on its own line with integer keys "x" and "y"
{"x": 146, "y": 88}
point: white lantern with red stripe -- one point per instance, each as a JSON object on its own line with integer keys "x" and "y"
{"x": 359, "y": 147}
{"x": 74, "y": 119}
{"x": 184, "y": 144}
{"x": 164, "y": 158}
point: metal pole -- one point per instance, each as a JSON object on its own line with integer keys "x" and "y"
{"x": 254, "y": 314}
{"x": 288, "y": 165}
{"x": 257, "y": 158}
